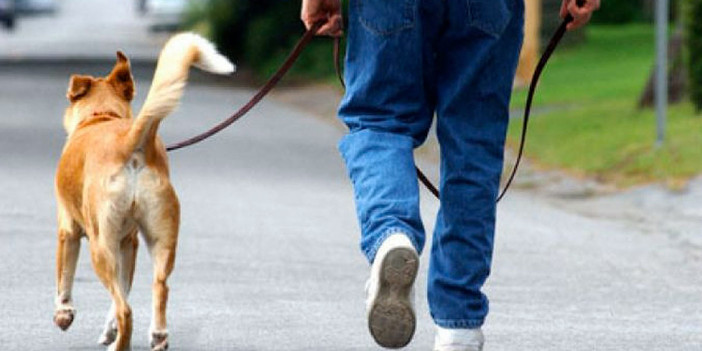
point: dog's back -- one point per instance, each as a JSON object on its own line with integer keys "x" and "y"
{"x": 125, "y": 154}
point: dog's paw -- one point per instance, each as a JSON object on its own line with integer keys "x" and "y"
{"x": 159, "y": 341}
{"x": 108, "y": 336}
{"x": 63, "y": 317}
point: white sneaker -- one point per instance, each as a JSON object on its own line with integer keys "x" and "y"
{"x": 390, "y": 305}
{"x": 458, "y": 339}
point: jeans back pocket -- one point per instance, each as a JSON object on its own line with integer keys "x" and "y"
{"x": 490, "y": 16}
{"x": 386, "y": 17}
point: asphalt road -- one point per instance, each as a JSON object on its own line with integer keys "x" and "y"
{"x": 268, "y": 256}
{"x": 82, "y": 29}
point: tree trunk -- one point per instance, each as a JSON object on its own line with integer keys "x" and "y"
{"x": 677, "y": 74}
{"x": 529, "y": 56}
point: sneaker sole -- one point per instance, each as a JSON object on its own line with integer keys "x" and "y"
{"x": 391, "y": 319}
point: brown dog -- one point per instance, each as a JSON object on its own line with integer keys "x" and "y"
{"x": 112, "y": 181}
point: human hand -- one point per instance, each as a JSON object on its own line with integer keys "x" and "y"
{"x": 314, "y": 11}
{"x": 581, "y": 14}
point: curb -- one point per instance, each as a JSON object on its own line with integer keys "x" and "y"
{"x": 144, "y": 67}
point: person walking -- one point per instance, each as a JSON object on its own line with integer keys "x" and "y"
{"x": 406, "y": 62}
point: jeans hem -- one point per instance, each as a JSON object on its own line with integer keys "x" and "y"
{"x": 459, "y": 323}
{"x": 373, "y": 250}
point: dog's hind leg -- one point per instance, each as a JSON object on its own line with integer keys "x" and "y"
{"x": 109, "y": 331}
{"x": 128, "y": 252}
{"x": 163, "y": 255}
{"x": 104, "y": 251}
{"x": 161, "y": 234}
{"x": 67, "y": 251}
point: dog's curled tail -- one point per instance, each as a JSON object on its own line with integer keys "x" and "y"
{"x": 181, "y": 51}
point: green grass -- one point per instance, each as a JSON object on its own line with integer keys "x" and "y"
{"x": 586, "y": 120}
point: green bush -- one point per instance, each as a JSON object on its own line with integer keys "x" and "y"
{"x": 693, "y": 37}
{"x": 619, "y": 11}
{"x": 260, "y": 33}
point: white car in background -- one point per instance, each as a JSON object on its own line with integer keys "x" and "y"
{"x": 36, "y": 7}
{"x": 164, "y": 15}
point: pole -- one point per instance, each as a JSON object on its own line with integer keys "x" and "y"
{"x": 661, "y": 69}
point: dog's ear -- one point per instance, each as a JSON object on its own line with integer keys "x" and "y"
{"x": 78, "y": 87}
{"x": 121, "y": 77}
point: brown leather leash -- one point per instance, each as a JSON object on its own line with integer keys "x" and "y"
{"x": 307, "y": 38}
{"x": 550, "y": 49}
{"x": 262, "y": 92}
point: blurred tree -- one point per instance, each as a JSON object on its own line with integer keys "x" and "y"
{"x": 677, "y": 69}
{"x": 529, "y": 56}
{"x": 260, "y": 33}
{"x": 677, "y": 73}
{"x": 650, "y": 5}
{"x": 620, "y": 11}
{"x": 693, "y": 39}
{"x": 551, "y": 19}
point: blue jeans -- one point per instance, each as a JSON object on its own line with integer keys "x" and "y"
{"x": 408, "y": 60}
